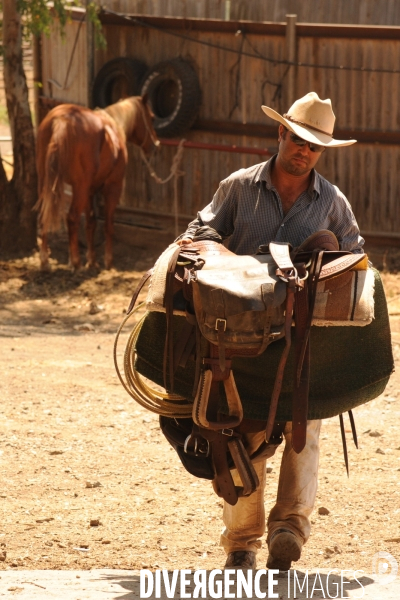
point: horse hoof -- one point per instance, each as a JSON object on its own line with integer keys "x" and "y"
{"x": 45, "y": 267}
{"x": 93, "y": 268}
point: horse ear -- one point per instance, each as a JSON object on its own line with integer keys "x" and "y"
{"x": 145, "y": 98}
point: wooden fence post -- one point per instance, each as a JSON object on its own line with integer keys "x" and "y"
{"x": 291, "y": 56}
{"x": 89, "y": 57}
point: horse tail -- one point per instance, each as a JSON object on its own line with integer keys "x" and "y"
{"x": 53, "y": 150}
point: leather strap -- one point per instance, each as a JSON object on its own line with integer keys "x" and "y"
{"x": 184, "y": 345}
{"x": 169, "y": 338}
{"x": 305, "y": 313}
{"x": 302, "y": 377}
{"x": 220, "y": 442}
{"x": 353, "y": 428}
{"x": 280, "y": 252}
{"x": 138, "y": 289}
{"x": 244, "y": 466}
{"x": 223, "y": 482}
{"x": 290, "y": 293}
{"x": 342, "y": 431}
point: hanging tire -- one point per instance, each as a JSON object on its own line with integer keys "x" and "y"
{"x": 174, "y": 95}
{"x": 117, "y": 78}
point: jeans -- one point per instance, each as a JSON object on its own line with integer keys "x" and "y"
{"x": 297, "y": 489}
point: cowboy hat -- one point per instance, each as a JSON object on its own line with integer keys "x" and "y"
{"x": 312, "y": 119}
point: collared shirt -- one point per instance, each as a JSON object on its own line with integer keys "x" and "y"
{"x": 247, "y": 211}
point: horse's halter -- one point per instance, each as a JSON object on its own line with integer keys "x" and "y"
{"x": 148, "y": 130}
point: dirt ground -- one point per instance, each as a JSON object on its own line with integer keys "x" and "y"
{"x": 87, "y": 479}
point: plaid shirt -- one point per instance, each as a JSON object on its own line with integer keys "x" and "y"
{"x": 247, "y": 209}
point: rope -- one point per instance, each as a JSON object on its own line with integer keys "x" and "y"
{"x": 161, "y": 403}
{"x": 175, "y": 172}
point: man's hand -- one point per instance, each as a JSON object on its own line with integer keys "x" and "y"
{"x": 184, "y": 241}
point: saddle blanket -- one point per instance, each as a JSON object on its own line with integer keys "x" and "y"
{"x": 349, "y": 365}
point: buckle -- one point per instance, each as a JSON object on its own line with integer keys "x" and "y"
{"x": 202, "y": 449}
{"x": 228, "y": 432}
{"x": 221, "y": 321}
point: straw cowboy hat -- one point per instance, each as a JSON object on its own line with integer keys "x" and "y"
{"x": 311, "y": 119}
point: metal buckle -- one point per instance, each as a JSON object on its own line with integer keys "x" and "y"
{"x": 293, "y": 273}
{"x": 197, "y": 450}
{"x": 227, "y": 432}
{"x": 222, "y": 321}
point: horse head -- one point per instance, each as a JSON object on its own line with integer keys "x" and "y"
{"x": 142, "y": 133}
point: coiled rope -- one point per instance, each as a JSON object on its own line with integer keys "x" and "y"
{"x": 161, "y": 403}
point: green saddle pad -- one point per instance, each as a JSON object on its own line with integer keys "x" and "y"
{"x": 349, "y": 366}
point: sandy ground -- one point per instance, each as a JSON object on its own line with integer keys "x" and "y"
{"x": 89, "y": 482}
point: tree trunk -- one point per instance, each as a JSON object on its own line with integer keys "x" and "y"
{"x": 17, "y": 197}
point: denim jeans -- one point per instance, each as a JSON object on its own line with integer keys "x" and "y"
{"x": 297, "y": 489}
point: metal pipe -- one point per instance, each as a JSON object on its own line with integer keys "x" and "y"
{"x": 220, "y": 147}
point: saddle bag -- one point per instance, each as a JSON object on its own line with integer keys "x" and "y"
{"x": 239, "y": 302}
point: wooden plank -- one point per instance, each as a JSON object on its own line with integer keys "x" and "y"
{"x": 189, "y": 25}
{"x": 368, "y": 12}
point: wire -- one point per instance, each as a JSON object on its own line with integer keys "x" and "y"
{"x": 256, "y": 54}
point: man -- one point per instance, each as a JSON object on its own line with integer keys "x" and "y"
{"x": 286, "y": 200}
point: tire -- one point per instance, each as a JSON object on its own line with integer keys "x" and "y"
{"x": 117, "y": 78}
{"x": 174, "y": 95}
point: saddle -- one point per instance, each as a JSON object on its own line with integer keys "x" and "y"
{"x": 235, "y": 306}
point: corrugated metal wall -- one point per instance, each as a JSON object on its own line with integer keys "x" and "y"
{"x": 362, "y": 12}
{"x": 367, "y": 172}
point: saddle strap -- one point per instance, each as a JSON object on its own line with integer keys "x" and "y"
{"x": 343, "y": 434}
{"x": 302, "y": 379}
{"x": 353, "y": 428}
{"x": 168, "y": 363}
{"x": 305, "y": 315}
{"x": 345, "y": 455}
{"x": 244, "y": 467}
{"x": 184, "y": 346}
{"x": 221, "y": 442}
{"x": 290, "y": 294}
{"x": 304, "y": 308}
{"x": 222, "y": 482}
{"x": 138, "y": 289}
{"x": 280, "y": 252}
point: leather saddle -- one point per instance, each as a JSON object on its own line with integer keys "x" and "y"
{"x": 239, "y": 305}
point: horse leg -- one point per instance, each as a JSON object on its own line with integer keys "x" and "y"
{"x": 80, "y": 199}
{"x": 111, "y": 192}
{"x": 90, "y": 230}
{"x": 44, "y": 252}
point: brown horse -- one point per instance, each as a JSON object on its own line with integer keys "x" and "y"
{"x": 87, "y": 150}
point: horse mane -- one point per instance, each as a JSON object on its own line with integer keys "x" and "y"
{"x": 125, "y": 112}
